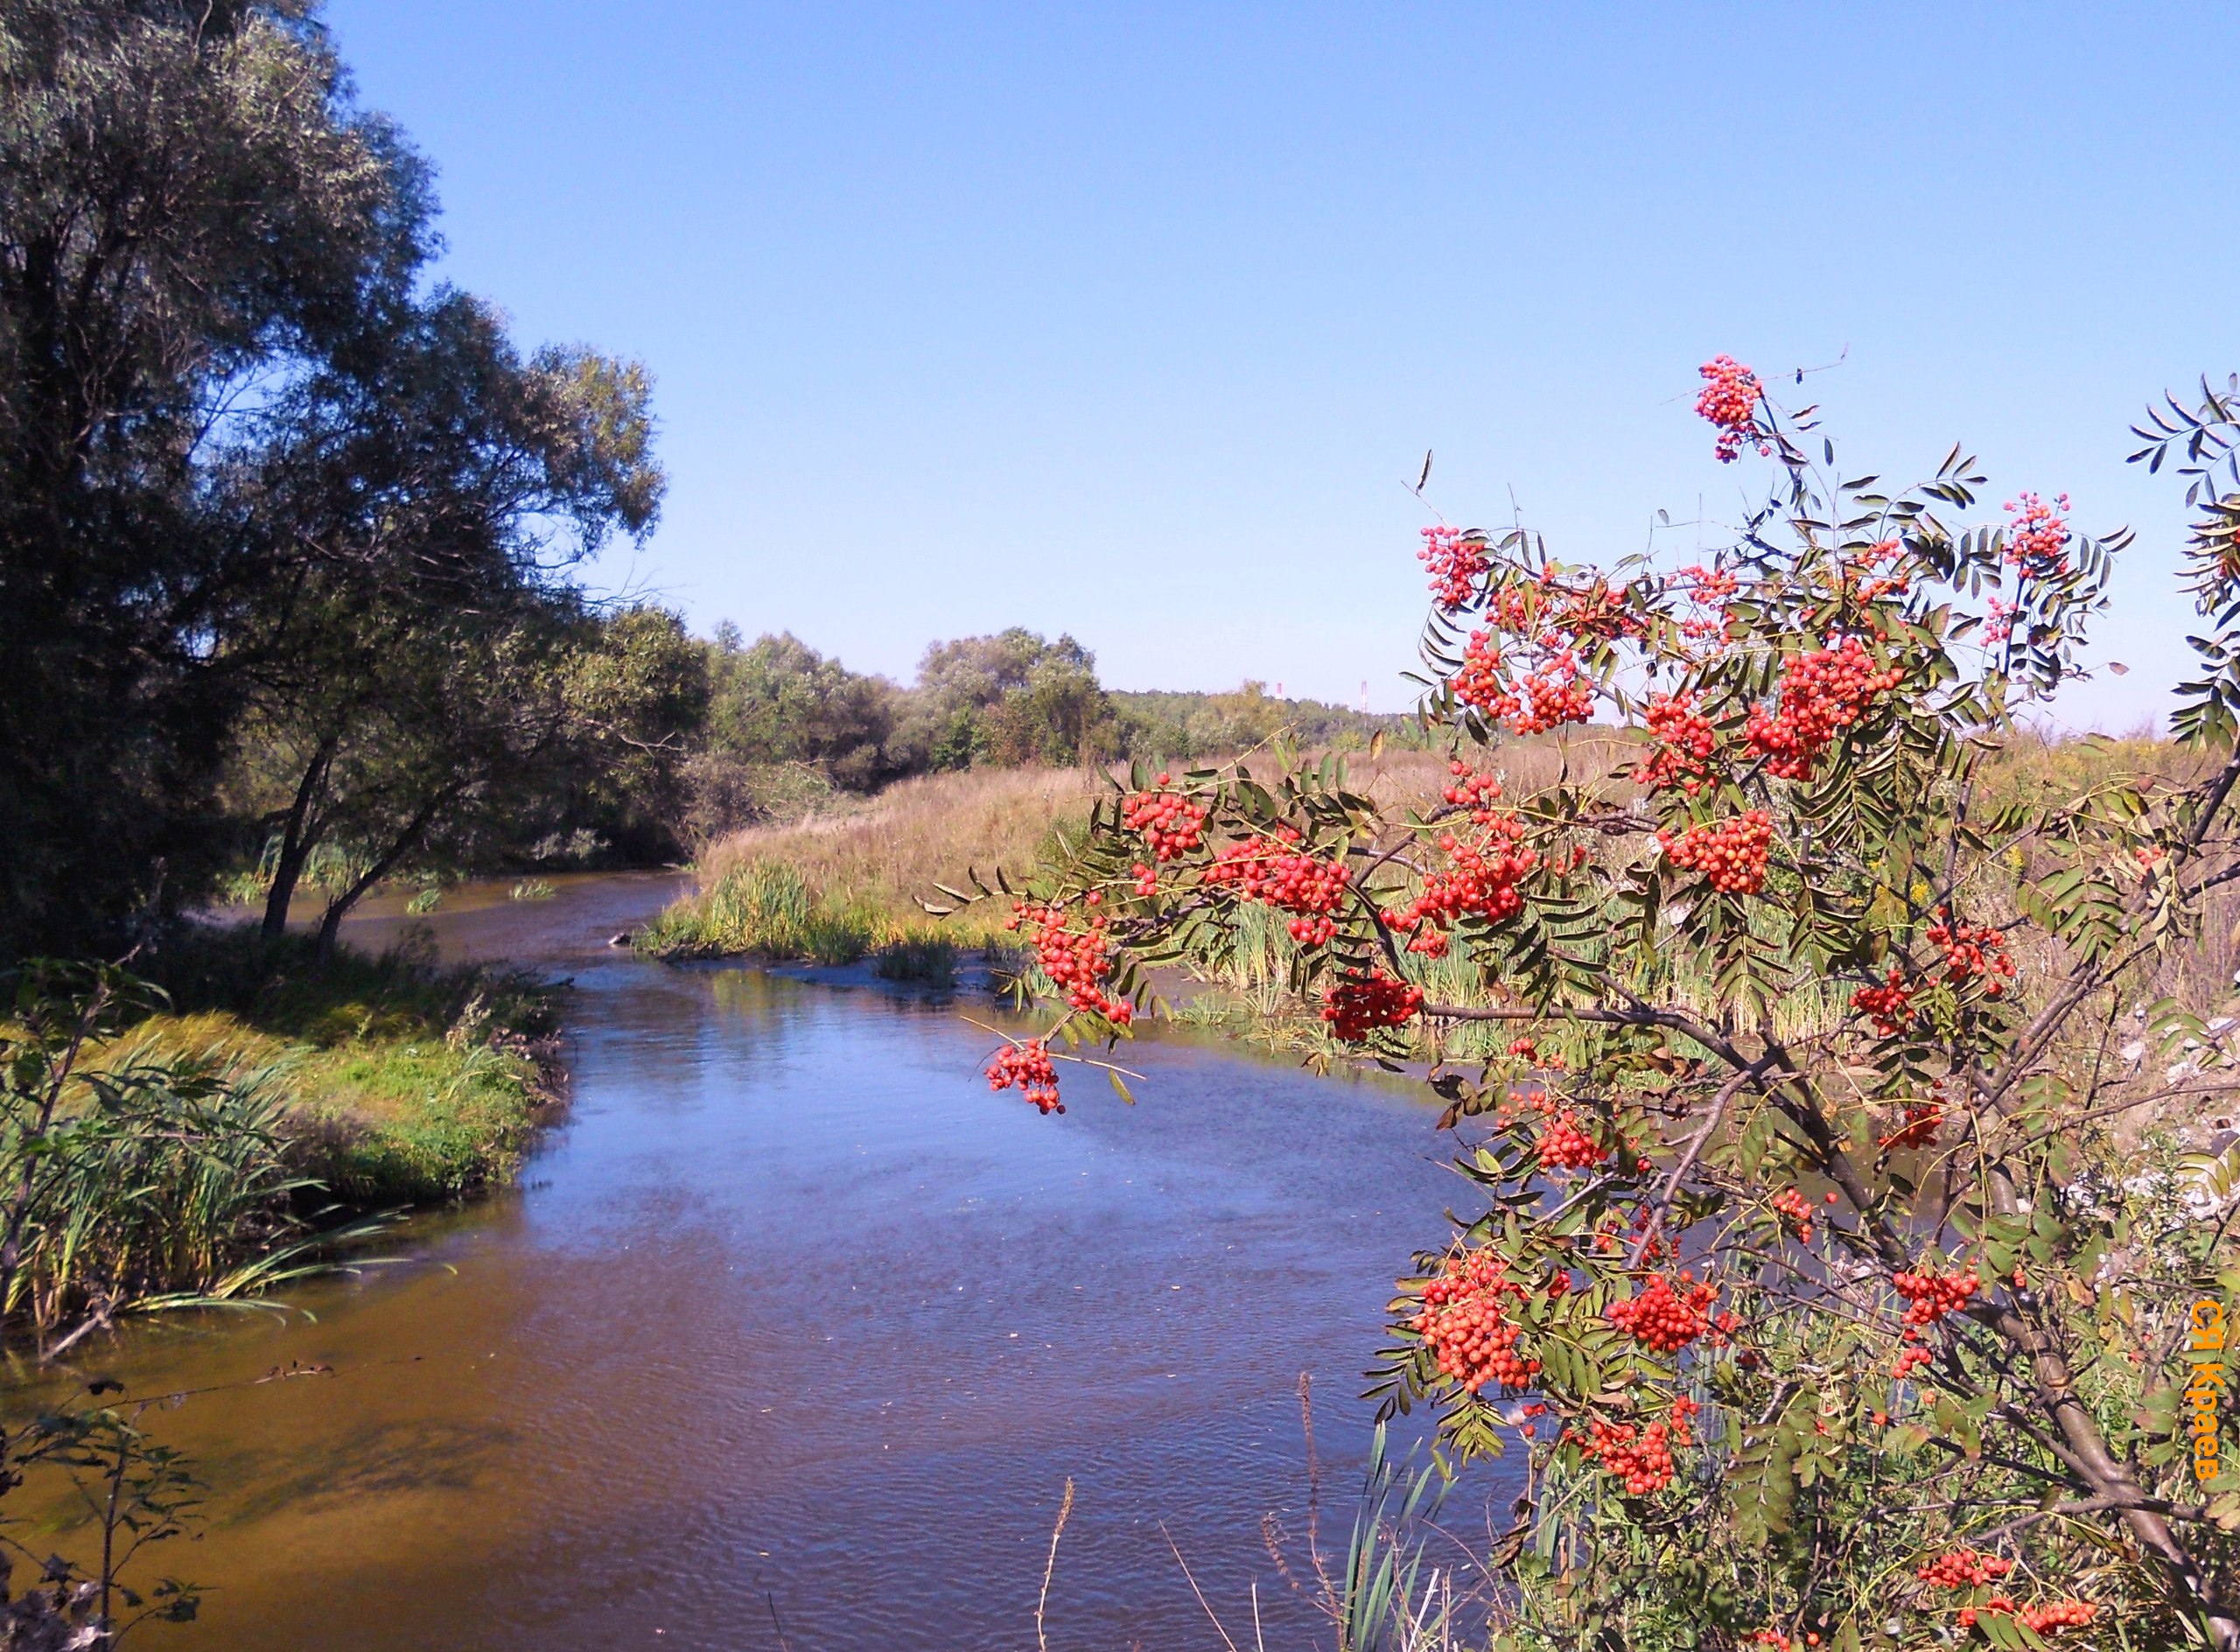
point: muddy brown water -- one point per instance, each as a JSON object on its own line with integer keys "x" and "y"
{"x": 794, "y": 1326}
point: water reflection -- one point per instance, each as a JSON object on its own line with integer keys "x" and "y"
{"x": 792, "y": 1313}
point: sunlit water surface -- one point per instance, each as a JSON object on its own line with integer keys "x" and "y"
{"x": 793, "y": 1324}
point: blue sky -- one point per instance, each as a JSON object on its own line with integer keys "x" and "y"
{"x": 1132, "y": 321}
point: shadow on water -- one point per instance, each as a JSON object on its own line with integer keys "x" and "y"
{"x": 793, "y": 1311}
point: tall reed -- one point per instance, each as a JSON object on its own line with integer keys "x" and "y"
{"x": 136, "y": 1180}
{"x": 765, "y": 908}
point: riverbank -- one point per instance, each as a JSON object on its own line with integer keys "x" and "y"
{"x": 403, "y": 1081}
{"x": 836, "y": 889}
{"x": 232, "y": 1111}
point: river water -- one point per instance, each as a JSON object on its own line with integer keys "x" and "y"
{"x": 795, "y": 1328}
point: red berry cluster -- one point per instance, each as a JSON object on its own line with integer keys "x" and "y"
{"x": 1929, "y": 1297}
{"x": 1271, "y": 870}
{"x": 1917, "y": 1127}
{"x": 1550, "y": 691}
{"x": 1821, "y": 694}
{"x": 2037, "y": 540}
{"x": 1879, "y": 572}
{"x": 1665, "y": 1318}
{"x": 1471, "y": 790}
{"x": 1456, "y": 565}
{"x": 1890, "y": 1006}
{"x": 1684, "y": 740}
{"x": 1729, "y": 399}
{"x": 1170, "y": 822}
{"x": 1027, "y": 1066}
{"x": 1793, "y": 1206}
{"x": 1972, "y": 952}
{"x": 1564, "y": 1145}
{"x": 1078, "y": 961}
{"x": 2000, "y": 627}
{"x": 1481, "y": 881}
{"x": 1642, "y": 1459}
{"x": 1465, "y": 1325}
{"x": 1964, "y": 1569}
{"x": 2060, "y": 1614}
{"x": 1731, "y": 853}
{"x": 1147, "y": 880}
{"x": 1356, "y": 1005}
{"x": 1908, "y": 1358}
{"x": 1707, "y": 589}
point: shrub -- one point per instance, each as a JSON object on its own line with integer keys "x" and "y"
{"x": 930, "y": 959}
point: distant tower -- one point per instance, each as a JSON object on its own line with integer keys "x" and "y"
{"x": 1364, "y": 696}
{"x": 1279, "y": 688}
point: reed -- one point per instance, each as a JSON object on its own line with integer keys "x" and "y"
{"x": 766, "y": 909}
{"x": 179, "y": 1186}
{"x": 134, "y": 1176}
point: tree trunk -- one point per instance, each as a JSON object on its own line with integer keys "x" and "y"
{"x": 330, "y": 926}
{"x": 298, "y": 836}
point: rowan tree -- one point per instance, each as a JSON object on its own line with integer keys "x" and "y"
{"x": 1836, "y": 1259}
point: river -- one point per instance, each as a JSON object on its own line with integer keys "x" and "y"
{"x": 793, "y": 1329}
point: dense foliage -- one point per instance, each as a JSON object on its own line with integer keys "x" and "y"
{"x": 284, "y": 527}
{"x": 1834, "y": 1252}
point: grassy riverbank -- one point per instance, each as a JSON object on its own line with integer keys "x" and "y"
{"x": 401, "y": 1081}
{"x": 207, "y": 1125}
{"x": 838, "y": 887}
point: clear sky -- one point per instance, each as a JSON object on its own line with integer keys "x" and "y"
{"x": 1131, "y": 321}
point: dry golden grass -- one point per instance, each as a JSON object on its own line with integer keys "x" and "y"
{"x": 890, "y": 850}
{"x": 887, "y": 852}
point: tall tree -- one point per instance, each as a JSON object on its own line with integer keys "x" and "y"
{"x": 443, "y": 487}
{"x": 192, "y": 214}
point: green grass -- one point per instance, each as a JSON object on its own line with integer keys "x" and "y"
{"x": 214, "y": 1137}
{"x": 401, "y": 1081}
{"x": 415, "y": 1124}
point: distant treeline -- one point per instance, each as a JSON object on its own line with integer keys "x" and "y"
{"x": 766, "y": 730}
{"x": 1007, "y": 700}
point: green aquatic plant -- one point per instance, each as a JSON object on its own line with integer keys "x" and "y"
{"x": 928, "y": 959}
{"x": 765, "y": 908}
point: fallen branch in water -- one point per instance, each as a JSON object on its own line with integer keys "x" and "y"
{"x": 1065, "y": 1507}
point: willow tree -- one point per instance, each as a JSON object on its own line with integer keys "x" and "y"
{"x": 191, "y": 212}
